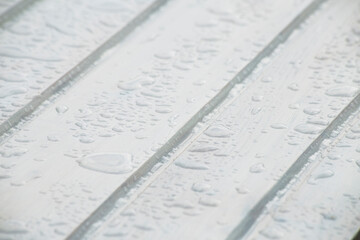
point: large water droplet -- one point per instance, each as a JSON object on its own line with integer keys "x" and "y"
{"x": 257, "y": 168}
{"x": 217, "y": 131}
{"x": 342, "y": 91}
{"x": 187, "y": 164}
{"x": 114, "y": 163}
{"x": 308, "y": 128}
{"x": 324, "y": 174}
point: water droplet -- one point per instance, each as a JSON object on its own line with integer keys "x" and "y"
{"x": 180, "y": 204}
{"x": 324, "y": 174}
{"x": 242, "y": 190}
{"x": 329, "y": 216}
{"x": 164, "y": 55}
{"x": 129, "y": 86}
{"x": 187, "y": 164}
{"x": 272, "y": 233}
{"x": 209, "y": 202}
{"x": 200, "y": 187}
{"x": 342, "y": 91}
{"x": 294, "y": 106}
{"x": 308, "y": 128}
{"x": 257, "y": 98}
{"x": 266, "y": 79}
{"x": 53, "y": 138}
{"x": 61, "y": 109}
{"x": 201, "y": 148}
{"x": 114, "y": 163}
{"x": 311, "y": 111}
{"x": 278, "y": 126}
{"x": 320, "y": 122}
{"x": 86, "y": 140}
{"x": 257, "y": 168}
{"x": 293, "y": 87}
{"x": 217, "y": 131}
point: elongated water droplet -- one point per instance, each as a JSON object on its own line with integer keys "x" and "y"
{"x": 114, "y": 163}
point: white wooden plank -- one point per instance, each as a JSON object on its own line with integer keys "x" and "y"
{"x": 137, "y": 97}
{"x": 45, "y": 46}
{"x": 324, "y": 201}
{"x": 214, "y": 183}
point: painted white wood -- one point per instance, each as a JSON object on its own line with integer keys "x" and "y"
{"x": 41, "y": 44}
{"x": 324, "y": 201}
{"x": 138, "y": 96}
{"x": 209, "y": 185}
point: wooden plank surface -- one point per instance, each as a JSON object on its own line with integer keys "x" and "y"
{"x": 209, "y": 189}
{"x": 50, "y": 42}
{"x": 323, "y": 202}
{"x": 139, "y": 95}
{"x": 161, "y": 119}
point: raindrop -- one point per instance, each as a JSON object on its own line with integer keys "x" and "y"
{"x": 278, "y": 126}
{"x": 113, "y": 163}
{"x": 190, "y": 165}
{"x": 308, "y": 128}
{"x": 257, "y": 168}
{"x": 217, "y": 131}
{"x": 324, "y": 174}
{"x": 209, "y": 202}
{"x": 200, "y": 187}
{"x": 342, "y": 91}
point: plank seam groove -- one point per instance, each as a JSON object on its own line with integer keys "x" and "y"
{"x": 82, "y": 66}
{"x": 106, "y": 207}
{"x": 15, "y": 10}
{"x": 250, "y": 219}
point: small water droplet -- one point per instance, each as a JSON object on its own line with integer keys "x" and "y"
{"x": 272, "y": 233}
{"x": 242, "y": 190}
{"x": 293, "y": 87}
{"x": 324, "y": 174}
{"x": 61, "y": 109}
{"x": 187, "y": 164}
{"x": 311, "y": 111}
{"x": 200, "y": 187}
{"x": 278, "y": 126}
{"x": 257, "y": 98}
{"x": 257, "y": 168}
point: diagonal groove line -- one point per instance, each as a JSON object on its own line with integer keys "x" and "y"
{"x": 250, "y": 219}
{"x": 82, "y": 66}
{"x": 83, "y": 230}
{"x": 15, "y": 10}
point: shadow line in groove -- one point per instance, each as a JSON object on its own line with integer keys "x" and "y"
{"x": 86, "y": 227}
{"x": 82, "y": 66}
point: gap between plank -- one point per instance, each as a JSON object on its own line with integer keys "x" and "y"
{"x": 109, "y": 204}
